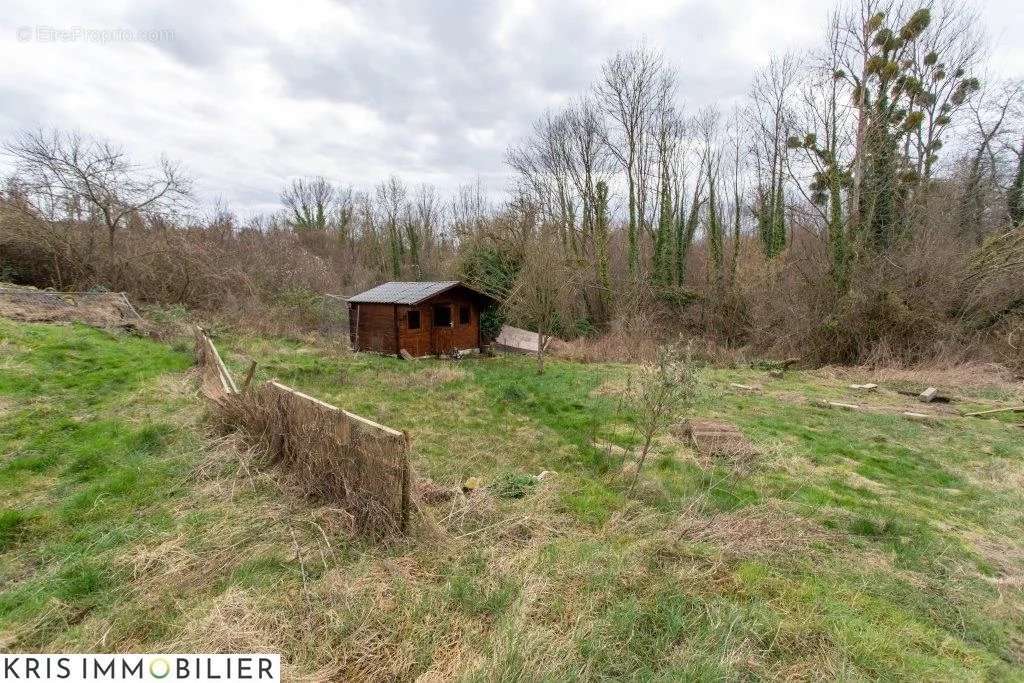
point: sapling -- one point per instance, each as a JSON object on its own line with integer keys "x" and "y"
{"x": 659, "y": 393}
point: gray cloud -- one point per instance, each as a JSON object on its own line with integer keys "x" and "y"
{"x": 248, "y": 94}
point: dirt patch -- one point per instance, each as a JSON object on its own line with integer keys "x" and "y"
{"x": 760, "y": 530}
{"x": 107, "y": 310}
{"x": 431, "y": 376}
{"x": 718, "y": 442}
{"x": 430, "y": 493}
{"x": 615, "y": 387}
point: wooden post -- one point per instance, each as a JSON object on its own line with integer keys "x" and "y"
{"x": 248, "y": 375}
{"x": 398, "y": 344}
{"x": 355, "y": 335}
{"x": 406, "y": 483}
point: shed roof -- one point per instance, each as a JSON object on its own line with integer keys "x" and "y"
{"x": 408, "y": 293}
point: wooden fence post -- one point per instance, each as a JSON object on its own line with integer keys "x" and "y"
{"x": 406, "y": 483}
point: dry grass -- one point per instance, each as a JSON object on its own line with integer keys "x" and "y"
{"x": 107, "y": 310}
{"x": 434, "y": 375}
{"x": 753, "y": 531}
{"x": 622, "y": 344}
{"x": 966, "y": 376}
{"x": 331, "y": 454}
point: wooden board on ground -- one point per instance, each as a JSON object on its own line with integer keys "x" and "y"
{"x": 521, "y": 341}
{"x": 994, "y": 411}
{"x": 715, "y": 439}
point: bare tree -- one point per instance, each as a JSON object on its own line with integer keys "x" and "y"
{"x": 71, "y": 175}
{"x": 309, "y": 202}
{"x": 542, "y": 165}
{"x": 546, "y": 286}
{"x": 429, "y": 214}
{"x": 470, "y": 209}
{"x": 629, "y": 89}
{"x": 992, "y": 133}
{"x": 343, "y": 213}
{"x": 771, "y": 118}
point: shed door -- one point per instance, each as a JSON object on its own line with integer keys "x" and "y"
{"x": 441, "y": 331}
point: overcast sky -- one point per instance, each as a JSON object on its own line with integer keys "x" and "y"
{"x": 251, "y": 94}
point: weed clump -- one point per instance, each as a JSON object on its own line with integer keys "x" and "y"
{"x": 514, "y": 485}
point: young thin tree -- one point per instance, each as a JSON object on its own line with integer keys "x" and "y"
{"x": 544, "y": 288}
{"x": 658, "y": 393}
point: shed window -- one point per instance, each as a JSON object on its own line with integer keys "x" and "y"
{"x": 442, "y": 315}
{"x": 413, "y": 318}
{"x": 463, "y": 315}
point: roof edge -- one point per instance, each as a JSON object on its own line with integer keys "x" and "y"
{"x": 448, "y": 286}
{"x": 453, "y": 285}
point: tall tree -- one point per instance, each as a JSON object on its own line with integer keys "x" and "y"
{"x": 391, "y": 205}
{"x": 888, "y": 98}
{"x": 631, "y": 84}
{"x": 772, "y": 121}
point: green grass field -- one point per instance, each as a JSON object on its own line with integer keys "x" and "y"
{"x": 859, "y": 545}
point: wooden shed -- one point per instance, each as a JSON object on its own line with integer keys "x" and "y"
{"x": 421, "y": 318}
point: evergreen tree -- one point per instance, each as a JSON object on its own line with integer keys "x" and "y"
{"x": 716, "y": 252}
{"x": 662, "y": 256}
{"x": 686, "y": 228}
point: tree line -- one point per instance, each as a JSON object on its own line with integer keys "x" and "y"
{"x": 865, "y": 198}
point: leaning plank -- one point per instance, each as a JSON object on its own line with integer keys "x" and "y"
{"x": 215, "y": 379}
{"x": 1010, "y": 409}
{"x": 128, "y": 306}
{"x": 222, "y": 368}
{"x": 327, "y": 406}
